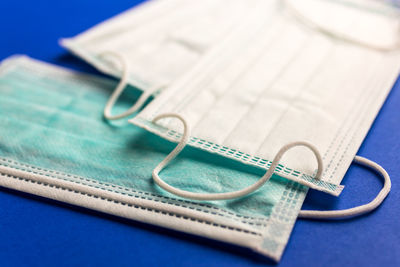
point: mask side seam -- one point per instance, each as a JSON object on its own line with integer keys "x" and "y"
{"x": 340, "y": 142}
{"x": 361, "y": 117}
{"x": 344, "y": 137}
{"x": 362, "y": 113}
{"x": 293, "y": 196}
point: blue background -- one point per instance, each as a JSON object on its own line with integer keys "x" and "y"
{"x": 39, "y": 232}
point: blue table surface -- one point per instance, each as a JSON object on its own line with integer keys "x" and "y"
{"x": 40, "y": 232}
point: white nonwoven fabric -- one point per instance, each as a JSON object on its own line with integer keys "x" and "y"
{"x": 276, "y": 80}
{"x": 160, "y": 40}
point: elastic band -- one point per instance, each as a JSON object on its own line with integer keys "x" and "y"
{"x": 310, "y": 214}
{"x": 228, "y": 195}
{"x": 334, "y": 214}
{"x": 292, "y": 9}
{"x": 120, "y": 88}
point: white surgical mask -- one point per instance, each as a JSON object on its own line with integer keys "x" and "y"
{"x": 159, "y": 41}
{"x": 247, "y": 99}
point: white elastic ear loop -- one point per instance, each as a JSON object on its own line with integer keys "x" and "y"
{"x": 334, "y": 214}
{"x": 228, "y": 195}
{"x": 294, "y": 11}
{"x": 120, "y": 88}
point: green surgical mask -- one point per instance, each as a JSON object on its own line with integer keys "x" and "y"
{"x": 55, "y": 143}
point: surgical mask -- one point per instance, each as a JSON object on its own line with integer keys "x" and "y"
{"x": 246, "y": 100}
{"x": 159, "y": 40}
{"x": 55, "y": 144}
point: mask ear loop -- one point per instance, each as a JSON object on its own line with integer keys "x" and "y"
{"x": 356, "y": 211}
{"x": 293, "y": 10}
{"x": 119, "y": 90}
{"x": 309, "y": 214}
{"x": 220, "y": 196}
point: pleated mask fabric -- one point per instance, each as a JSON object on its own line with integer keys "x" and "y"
{"x": 277, "y": 80}
{"x": 159, "y": 40}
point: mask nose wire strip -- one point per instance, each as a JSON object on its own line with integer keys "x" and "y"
{"x": 316, "y": 214}
{"x": 295, "y": 12}
{"x": 119, "y": 90}
{"x": 220, "y": 196}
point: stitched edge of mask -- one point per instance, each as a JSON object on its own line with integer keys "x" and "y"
{"x": 119, "y": 204}
{"x": 203, "y": 207}
{"x": 281, "y": 170}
